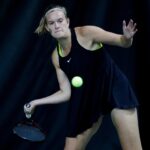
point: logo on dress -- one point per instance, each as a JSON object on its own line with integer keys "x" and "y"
{"x": 68, "y": 61}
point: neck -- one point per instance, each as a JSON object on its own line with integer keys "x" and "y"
{"x": 65, "y": 42}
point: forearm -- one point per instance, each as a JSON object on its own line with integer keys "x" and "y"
{"x": 55, "y": 98}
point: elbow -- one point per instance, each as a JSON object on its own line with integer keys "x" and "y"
{"x": 68, "y": 94}
{"x": 66, "y": 91}
{"x": 68, "y": 97}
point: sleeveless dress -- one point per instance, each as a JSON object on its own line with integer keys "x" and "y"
{"x": 104, "y": 86}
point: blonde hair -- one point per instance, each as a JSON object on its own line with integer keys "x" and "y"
{"x": 43, "y": 22}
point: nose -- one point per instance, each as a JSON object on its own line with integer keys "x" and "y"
{"x": 56, "y": 25}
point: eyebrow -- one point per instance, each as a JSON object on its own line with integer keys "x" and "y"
{"x": 53, "y": 20}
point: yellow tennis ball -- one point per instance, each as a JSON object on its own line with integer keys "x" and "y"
{"x": 77, "y": 81}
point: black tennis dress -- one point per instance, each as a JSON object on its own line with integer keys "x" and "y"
{"x": 104, "y": 86}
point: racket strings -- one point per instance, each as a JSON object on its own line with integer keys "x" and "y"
{"x": 29, "y": 131}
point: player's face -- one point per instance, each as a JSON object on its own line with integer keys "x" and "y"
{"x": 57, "y": 24}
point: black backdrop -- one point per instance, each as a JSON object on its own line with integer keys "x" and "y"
{"x": 26, "y": 72}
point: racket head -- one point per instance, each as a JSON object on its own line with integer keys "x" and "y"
{"x": 30, "y": 131}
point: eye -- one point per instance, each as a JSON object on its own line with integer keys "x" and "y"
{"x": 60, "y": 20}
{"x": 50, "y": 23}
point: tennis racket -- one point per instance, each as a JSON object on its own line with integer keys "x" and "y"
{"x": 29, "y": 130}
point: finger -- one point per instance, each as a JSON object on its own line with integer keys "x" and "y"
{"x": 134, "y": 26}
{"x": 135, "y": 31}
{"x": 131, "y": 20}
{"x": 124, "y": 23}
{"x": 27, "y": 108}
{"x": 28, "y": 115}
{"x": 28, "y": 105}
{"x": 130, "y": 24}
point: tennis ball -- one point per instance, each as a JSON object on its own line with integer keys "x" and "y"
{"x": 77, "y": 81}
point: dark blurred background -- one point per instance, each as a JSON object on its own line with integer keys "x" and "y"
{"x": 26, "y": 72}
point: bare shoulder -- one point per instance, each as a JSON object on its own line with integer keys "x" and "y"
{"x": 88, "y": 30}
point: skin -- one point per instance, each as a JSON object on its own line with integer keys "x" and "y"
{"x": 125, "y": 121}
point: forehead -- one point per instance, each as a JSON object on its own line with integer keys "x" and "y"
{"x": 54, "y": 15}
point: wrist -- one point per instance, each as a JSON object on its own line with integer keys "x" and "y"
{"x": 126, "y": 41}
{"x": 34, "y": 103}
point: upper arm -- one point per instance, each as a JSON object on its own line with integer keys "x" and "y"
{"x": 97, "y": 35}
{"x": 63, "y": 81}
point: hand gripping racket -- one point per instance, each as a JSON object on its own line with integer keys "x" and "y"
{"x": 29, "y": 130}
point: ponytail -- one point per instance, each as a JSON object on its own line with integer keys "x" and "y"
{"x": 41, "y": 28}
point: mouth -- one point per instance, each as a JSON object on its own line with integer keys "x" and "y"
{"x": 58, "y": 31}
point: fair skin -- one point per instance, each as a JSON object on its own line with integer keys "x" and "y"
{"x": 89, "y": 37}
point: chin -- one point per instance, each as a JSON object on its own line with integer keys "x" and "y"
{"x": 59, "y": 36}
